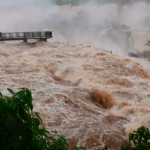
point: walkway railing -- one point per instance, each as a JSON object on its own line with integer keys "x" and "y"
{"x": 43, "y": 36}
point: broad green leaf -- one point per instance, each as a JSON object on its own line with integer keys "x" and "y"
{"x": 23, "y": 114}
{"x": 36, "y": 121}
{"x": 1, "y": 95}
{"x": 11, "y": 91}
{"x": 29, "y": 103}
{"x": 37, "y": 115}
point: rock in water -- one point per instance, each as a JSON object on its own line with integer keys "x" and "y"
{"x": 103, "y": 98}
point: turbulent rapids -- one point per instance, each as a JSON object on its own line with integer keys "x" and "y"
{"x": 93, "y": 93}
{"x": 62, "y": 77}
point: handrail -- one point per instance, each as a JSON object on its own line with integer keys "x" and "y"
{"x": 43, "y": 35}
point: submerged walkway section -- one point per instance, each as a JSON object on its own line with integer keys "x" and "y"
{"x": 42, "y": 36}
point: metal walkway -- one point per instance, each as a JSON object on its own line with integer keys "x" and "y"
{"x": 42, "y": 36}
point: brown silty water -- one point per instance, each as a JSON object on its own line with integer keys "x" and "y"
{"x": 61, "y": 78}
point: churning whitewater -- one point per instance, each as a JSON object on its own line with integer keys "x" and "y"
{"x": 62, "y": 78}
{"x": 67, "y": 78}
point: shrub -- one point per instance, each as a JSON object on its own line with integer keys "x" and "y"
{"x": 138, "y": 140}
{"x": 106, "y": 147}
{"x": 20, "y": 127}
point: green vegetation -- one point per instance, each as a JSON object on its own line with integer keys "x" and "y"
{"x": 138, "y": 140}
{"x": 20, "y": 127}
{"x": 106, "y": 147}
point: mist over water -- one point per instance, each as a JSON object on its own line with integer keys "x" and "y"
{"x": 101, "y": 25}
{"x": 62, "y": 76}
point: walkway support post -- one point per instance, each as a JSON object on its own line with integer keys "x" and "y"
{"x": 25, "y": 40}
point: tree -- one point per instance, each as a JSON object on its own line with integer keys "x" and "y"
{"x": 20, "y": 127}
